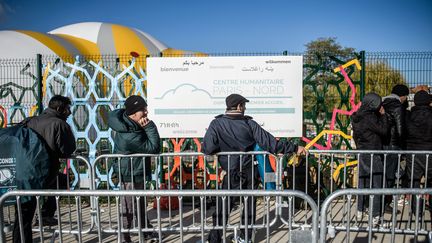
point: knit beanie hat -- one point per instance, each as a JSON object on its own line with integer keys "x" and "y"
{"x": 422, "y": 98}
{"x": 400, "y": 90}
{"x": 133, "y": 104}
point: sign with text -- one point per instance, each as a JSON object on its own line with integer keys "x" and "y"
{"x": 184, "y": 94}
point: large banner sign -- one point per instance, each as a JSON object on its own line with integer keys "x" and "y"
{"x": 184, "y": 94}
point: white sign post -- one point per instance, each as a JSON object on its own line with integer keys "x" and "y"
{"x": 184, "y": 94}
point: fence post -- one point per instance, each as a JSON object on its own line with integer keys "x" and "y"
{"x": 362, "y": 74}
{"x": 40, "y": 84}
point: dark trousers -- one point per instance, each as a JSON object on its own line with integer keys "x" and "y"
{"x": 129, "y": 208}
{"x": 49, "y": 206}
{"x": 27, "y": 213}
{"x": 392, "y": 163}
{"x": 416, "y": 169}
{"x": 363, "y": 201}
{"x": 237, "y": 180}
{"x": 416, "y": 184}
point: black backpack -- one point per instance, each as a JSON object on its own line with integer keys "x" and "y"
{"x": 24, "y": 160}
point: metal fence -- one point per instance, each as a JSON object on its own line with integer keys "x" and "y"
{"x": 70, "y": 177}
{"x": 194, "y": 192}
{"x": 351, "y": 223}
{"x": 18, "y": 89}
{"x": 390, "y": 68}
{"x": 100, "y": 231}
{"x": 179, "y": 227}
{"x": 98, "y": 84}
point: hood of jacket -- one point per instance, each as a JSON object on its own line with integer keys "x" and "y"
{"x": 420, "y": 114}
{"x": 371, "y": 103}
{"x": 120, "y": 122}
{"x": 391, "y": 102}
{"x": 391, "y": 97}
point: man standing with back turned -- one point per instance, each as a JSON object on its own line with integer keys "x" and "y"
{"x": 395, "y": 107}
{"x": 235, "y": 132}
{"x": 58, "y": 137}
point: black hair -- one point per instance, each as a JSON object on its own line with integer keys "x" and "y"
{"x": 58, "y": 102}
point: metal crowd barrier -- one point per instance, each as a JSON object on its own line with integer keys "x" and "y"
{"x": 69, "y": 178}
{"x": 179, "y": 167}
{"x": 329, "y": 170}
{"x": 349, "y": 223}
{"x": 180, "y": 228}
{"x": 195, "y": 171}
{"x": 411, "y": 170}
{"x": 319, "y": 175}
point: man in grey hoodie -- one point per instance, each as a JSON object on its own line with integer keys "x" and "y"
{"x": 370, "y": 129}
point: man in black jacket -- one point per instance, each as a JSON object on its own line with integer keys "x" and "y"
{"x": 235, "y": 132}
{"x": 419, "y": 137}
{"x": 52, "y": 127}
{"x": 135, "y": 133}
{"x": 370, "y": 129}
{"x": 395, "y": 107}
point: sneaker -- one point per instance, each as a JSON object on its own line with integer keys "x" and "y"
{"x": 401, "y": 202}
{"x": 360, "y": 215}
{"x": 387, "y": 224}
{"x": 151, "y": 237}
{"x": 376, "y": 221}
{"x": 240, "y": 240}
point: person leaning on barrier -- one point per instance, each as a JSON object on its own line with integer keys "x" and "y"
{"x": 395, "y": 107}
{"x": 134, "y": 133}
{"x": 235, "y": 132}
{"x": 53, "y": 129}
{"x": 370, "y": 128}
{"x": 419, "y": 137}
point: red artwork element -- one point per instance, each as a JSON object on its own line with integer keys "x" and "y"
{"x": 134, "y": 54}
{"x": 354, "y": 108}
{"x": 4, "y": 115}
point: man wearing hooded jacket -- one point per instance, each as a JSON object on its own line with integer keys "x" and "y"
{"x": 395, "y": 107}
{"x": 135, "y": 133}
{"x": 419, "y": 137}
{"x": 370, "y": 130}
{"x": 234, "y": 132}
{"x": 58, "y": 137}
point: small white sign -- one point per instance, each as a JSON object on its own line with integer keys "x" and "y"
{"x": 184, "y": 94}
